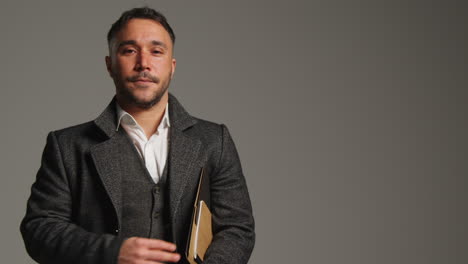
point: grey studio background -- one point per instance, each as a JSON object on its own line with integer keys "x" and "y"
{"x": 349, "y": 116}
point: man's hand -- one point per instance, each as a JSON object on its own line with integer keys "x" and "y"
{"x": 136, "y": 250}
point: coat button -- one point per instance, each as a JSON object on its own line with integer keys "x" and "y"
{"x": 156, "y": 190}
{"x": 116, "y": 231}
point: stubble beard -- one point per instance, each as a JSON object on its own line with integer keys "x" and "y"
{"x": 132, "y": 99}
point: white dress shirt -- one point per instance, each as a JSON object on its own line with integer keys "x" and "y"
{"x": 154, "y": 150}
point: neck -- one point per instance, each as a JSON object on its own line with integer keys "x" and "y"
{"x": 148, "y": 118}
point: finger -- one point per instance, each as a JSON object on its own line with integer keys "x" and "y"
{"x": 155, "y": 244}
{"x": 158, "y": 255}
{"x": 151, "y": 262}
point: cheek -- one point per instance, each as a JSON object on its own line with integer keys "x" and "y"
{"x": 120, "y": 71}
{"x": 161, "y": 64}
{"x": 124, "y": 64}
{"x": 166, "y": 67}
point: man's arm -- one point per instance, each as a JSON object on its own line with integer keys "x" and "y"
{"x": 233, "y": 223}
{"x": 48, "y": 232}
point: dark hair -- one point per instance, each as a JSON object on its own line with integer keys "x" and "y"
{"x": 141, "y": 12}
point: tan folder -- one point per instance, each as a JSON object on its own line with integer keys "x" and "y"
{"x": 201, "y": 233}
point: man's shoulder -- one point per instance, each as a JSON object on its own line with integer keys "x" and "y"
{"x": 208, "y": 126}
{"x": 76, "y": 130}
{"x": 208, "y": 132}
{"x": 80, "y": 134}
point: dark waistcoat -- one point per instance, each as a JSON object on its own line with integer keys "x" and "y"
{"x": 143, "y": 206}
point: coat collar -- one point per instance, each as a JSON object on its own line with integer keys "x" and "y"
{"x": 180, "y": 119}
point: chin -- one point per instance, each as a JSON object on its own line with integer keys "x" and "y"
{"x": 147, "y": 101}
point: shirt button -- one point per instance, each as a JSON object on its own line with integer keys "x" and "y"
{"x": 116, "y": 231}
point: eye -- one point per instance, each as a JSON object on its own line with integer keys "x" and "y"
{"x": 157, "y": 52}
{"x": 128, "y": 51}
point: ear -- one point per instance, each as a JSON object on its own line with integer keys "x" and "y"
{"x": 109, "y": 65}
{"x": 173, "y": 67}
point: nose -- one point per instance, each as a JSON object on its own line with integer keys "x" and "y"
{"x": 143, "y": 62}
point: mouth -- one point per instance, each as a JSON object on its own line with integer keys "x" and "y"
{"x": 143, "y": 80}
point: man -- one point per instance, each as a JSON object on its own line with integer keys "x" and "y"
{"x": 121, "y": 188}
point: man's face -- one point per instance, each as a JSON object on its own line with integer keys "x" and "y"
{"x": 141, "y": 63}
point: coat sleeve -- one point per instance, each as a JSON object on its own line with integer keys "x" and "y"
{"x": 233, "y": 223}
{"x": 48, "y": 232}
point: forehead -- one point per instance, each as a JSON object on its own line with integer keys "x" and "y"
{"x": 143, "y": 31}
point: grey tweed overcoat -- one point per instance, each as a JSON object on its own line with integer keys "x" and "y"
{"x": 74, "y": 211}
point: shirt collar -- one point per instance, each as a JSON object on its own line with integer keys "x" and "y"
{"x": 125, "y": 118}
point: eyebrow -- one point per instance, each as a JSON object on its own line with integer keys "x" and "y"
{"x": 133, "y": 42}
{"x": 126, "y": 42}
{"x": 158, "y": 43}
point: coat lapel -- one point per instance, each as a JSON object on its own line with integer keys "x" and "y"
{"x": 109, "y": 158}
{"x": 111, "y": 155}
{"x": 183, "y": 164}
{"x": 185, "y": 154}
